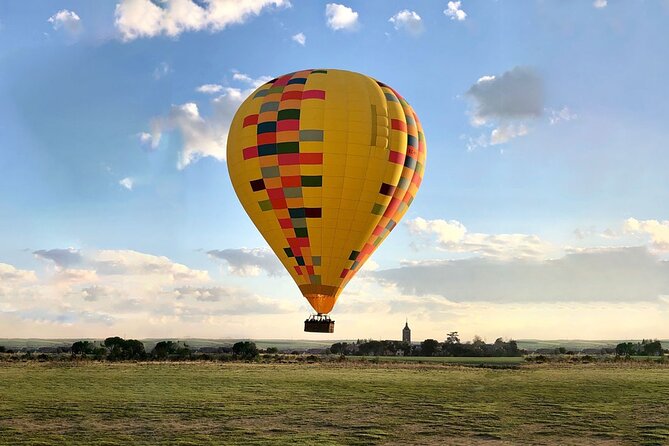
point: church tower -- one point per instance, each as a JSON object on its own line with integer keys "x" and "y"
{"x": 406, "y": 333}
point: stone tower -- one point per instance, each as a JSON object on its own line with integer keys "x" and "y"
{"x": 406, "y": 333}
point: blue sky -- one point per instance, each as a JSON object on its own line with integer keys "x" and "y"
{"x": 547, "y": 160}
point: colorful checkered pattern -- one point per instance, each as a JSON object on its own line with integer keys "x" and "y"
{"x": 325, "y": 162}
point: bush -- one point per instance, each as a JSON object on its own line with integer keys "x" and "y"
{"x": 245, "y": 350}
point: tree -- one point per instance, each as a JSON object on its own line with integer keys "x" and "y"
{"x": 625, "y": 349}
{"x": 245, "y": 350}
{"x": 164, "y": 348}
{"x": 115, "y": 347}
{"x": 272, "y": 350}
{"x": 82, "y": 348}
{"x": 120, "y": 348}
{"x": 512, "y": 348}
{"x": 429, "y": 347}
{"x": 453, "y": 338}
{"x": 339, "y": 348}
{"x": 134, "y": 349}
{"x": 651, "y": 348}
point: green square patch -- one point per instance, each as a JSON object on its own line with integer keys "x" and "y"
{"x": 301, "y": 232}
{"x": 377, "y": 209}
{"x": 265, "y": 205}
{"x": 312, "y": 181}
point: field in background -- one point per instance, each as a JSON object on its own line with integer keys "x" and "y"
{"x": 467, "y": 360}
{"x": 352, "y": 402}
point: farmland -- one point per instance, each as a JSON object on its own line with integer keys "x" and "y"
{"x": 352, "y": 402}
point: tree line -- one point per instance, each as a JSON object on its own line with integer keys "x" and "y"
{"x": 118, "y": 349}
{"x": 646, "y": 347}
{"x": 452, "y": 346}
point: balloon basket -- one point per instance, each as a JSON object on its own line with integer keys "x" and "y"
{"x": 319, "y": 324}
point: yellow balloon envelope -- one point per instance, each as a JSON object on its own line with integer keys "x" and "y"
{"x": 326, "y": 163}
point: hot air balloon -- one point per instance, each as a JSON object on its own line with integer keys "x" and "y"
{"x": 325, "y": 163}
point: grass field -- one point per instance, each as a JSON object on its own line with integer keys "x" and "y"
{"x": 330, "y": 403}
{"x": 497, "y": 360}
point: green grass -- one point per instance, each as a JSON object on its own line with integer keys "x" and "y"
{"x": 330, "y": 403}
{"x": 443, "y": 360}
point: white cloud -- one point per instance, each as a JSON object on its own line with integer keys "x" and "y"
{"x": 70, "y": 276}
{"x": 209, "y": 88}
{"x": 447, "y": 232}
{"x": 596, "y": 275}
{"x": 340, "y": 17}
{"x": 144, "y": 137}
{"x": 564, "y": 114}
{"x": 67, "y": 20}
{"x": 507, "y": 101}
{"x": 96, "y": 293}
{"x": 455, "y": 12}
{"x": 253, "y": 82}
{"x": 475, "y": 142}
{"x": 162, "y": 70}
{"x": 249, "y": 262}
{"x": 453, "y": 236}
{"x": 227, "y": 301}
{"x": 127, "y": 183}
{"x": 144, "y": 18}
{"x": 408, "y": 21}
{"x": 516, "y": 94}
{"x": 203, "y": 136}
{"x": 300, "y": 38}
{"x": 134, "y": 263}
{"x": 657, "y": 231}
{"x": 10, "y": 274}
{"x": 599, "y": 4}
{"x": 507, "y": 132}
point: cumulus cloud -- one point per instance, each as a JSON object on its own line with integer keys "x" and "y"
{"x": 340, "y": 17}
{"x": 203, "y": 136}
{"x": 656, "y": 231}
{"x": 300, "y": 38}
{"x": 599, "y": 4}
{"x": 249, "y": 262}
{"x": 507, "y": 132}
{"x": 507, "y": 101}
{"x": 597, "y": 275}
{"x": 71, "y": 276}
{"x": 98, "y": 292}
{"x": 209, "y": 88}
{"x": 129, "y": 262}
{"x": 455, "y": 12}
{"x": 453, "y": 236}
{"x": 11, "y": 274}
{"x": 253, "y": 82}
{"x": 67, "y": 20}
{"x": 516, "y": 94}
{"x": 63, "y": 258}
{"x": 64, "y": 317}
{"x": 144, "y": 18}
{"x": 229, "y": 301}
{"x": 408, "y": 21}
{"x": 127, "y": 183}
